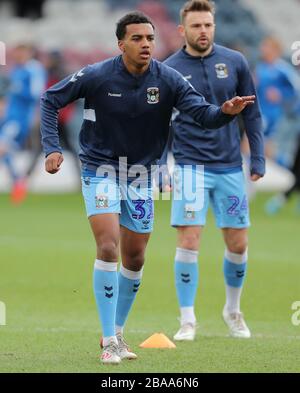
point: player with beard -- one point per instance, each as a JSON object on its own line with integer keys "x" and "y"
{"x": 218, "y": 73}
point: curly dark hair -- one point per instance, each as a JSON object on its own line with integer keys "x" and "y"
{"x": 134, "y": 17}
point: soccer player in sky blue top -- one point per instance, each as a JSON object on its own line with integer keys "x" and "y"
{"x": 218, "y": 73}
{"x": 128, "y": 106}
{"x": 277, "y": 84}
{"x": 27, "y": 81}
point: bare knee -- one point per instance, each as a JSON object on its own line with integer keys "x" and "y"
{"x": 107, "y": 250}
{"x": 236, "y": 240}
{"x": 188, "y": 238}
{"x": 107, "y": 234}
{"x": 134, "y": 260}
{"x": 237, "y": 246}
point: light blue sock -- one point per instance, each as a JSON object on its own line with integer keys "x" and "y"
{"x": 235, "y": 266}
{"x": 186, "y": 281}
{"x": 106, "y": 294}
{"x": 129, "y": 283}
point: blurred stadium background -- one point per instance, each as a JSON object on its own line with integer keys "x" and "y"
{"x": 68, "y": 34}
{"x": 45, "y": 244}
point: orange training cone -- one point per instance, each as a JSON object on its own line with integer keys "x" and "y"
{"x": 158, "y": 340}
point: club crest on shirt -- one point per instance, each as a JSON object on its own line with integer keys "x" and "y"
{"x": 101, "y": 201}
{"x": 221, "y": 70}
{"x": 153, "y": 95}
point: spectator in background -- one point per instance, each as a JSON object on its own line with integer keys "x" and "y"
{"x": 29, "y": 8}
{"x": 277, "y": 202}
{"x": 276, "y": 88}
{"x": 27, "y": 81}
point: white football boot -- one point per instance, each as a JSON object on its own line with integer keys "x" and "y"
{"x": 124, "y": 350}
{"x": 187, "y": 332}
{"x": 110, "y": 354}
{"x": 236, "y": 324}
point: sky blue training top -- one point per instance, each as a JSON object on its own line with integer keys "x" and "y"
{"x": 27, "y": 83}
{"x": 125, "y": 115}
{"x": 284, "y": 78}
{"x": 221, "y": 75}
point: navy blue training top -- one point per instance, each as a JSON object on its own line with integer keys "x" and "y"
{"x": 221, "y": 75}
{"x": 125, "y": 115}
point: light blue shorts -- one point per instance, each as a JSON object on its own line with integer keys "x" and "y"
{"x": 104, "y": 195}
{"x": 225, "y": 191}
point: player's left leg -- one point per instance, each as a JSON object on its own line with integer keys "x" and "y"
{"x": 133, "y": 246}
{"x": 6, "y": 154}
{"x": 6, "y": 158}
{"x": 136, "y": 225}
{"x": 10, "y": 142}
{"x": 232, "y": 214}
{"x": 19, "y": 184}
{"x": 235, "y": 265}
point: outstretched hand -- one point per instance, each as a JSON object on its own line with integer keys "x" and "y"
{"x": 237, "y": 104}
{"x": 53, "y": 162}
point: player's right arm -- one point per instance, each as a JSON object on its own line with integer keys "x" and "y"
{"x": 58, "y": 96}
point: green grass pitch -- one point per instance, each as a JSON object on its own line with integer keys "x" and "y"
{"x": 46, "y": 263}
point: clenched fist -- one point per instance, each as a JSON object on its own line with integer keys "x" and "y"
{"x": 53, "y": 162}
